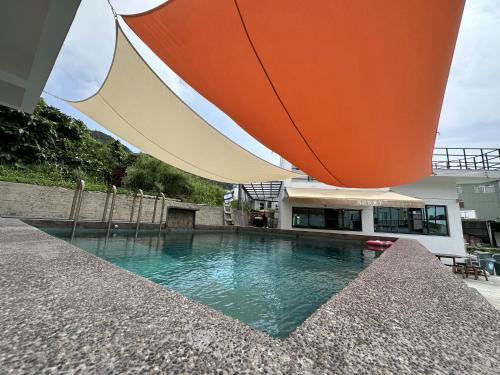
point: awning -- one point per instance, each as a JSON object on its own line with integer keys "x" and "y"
{"x": 137, "y": 106}
{"x": 349, "y": 198}
{"x": 350, "y": 92}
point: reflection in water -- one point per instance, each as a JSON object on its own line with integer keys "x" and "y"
{"x": 273, "y": 283}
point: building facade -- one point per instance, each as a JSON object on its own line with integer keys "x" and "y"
{"x": 436, "y": 223}
{"x": 482, "y": 198}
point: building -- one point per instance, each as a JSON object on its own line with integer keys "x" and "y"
{"x": 427, "y": 210}
{"x": 482, "y": 198}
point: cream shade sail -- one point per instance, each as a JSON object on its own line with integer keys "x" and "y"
{"x": 352, "y": 198}
{"x": 137, "y": 106}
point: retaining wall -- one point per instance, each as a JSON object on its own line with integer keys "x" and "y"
{"x": 35, "y": 201}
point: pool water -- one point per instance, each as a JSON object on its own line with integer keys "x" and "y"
{"x": 272, "y": 283}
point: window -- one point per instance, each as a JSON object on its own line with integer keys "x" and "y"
{"x": 437, "y": 220}
{"x": 300, "y": 217}
{"x": 316, "y": 218}
{"x": 262, "y": 205}
{"x": 433, "y": 220}
{"x": 319, "y": 218}
{"x": 269, "y": 204}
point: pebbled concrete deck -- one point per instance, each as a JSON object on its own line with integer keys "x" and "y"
{"x": 488, "y": 289}
{"x": 64, "y": 310}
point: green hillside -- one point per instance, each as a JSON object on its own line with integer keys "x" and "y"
{"x": 52, "y": 148}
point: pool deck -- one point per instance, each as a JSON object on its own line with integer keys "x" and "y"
{"x": 64, "y": 310}
{"x": 489, "y": 289}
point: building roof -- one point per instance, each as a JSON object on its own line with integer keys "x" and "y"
{"x": 31, "y": 36}
{"x": 264, "y": 191}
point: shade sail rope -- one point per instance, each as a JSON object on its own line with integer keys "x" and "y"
{"x": 165, "y": 126}
{"x": 340, "y": 183}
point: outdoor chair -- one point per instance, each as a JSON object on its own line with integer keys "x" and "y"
{"x": 473, "y": 267}
{"x": 460, "y": 267}
{"x": 486, "y": 261}
{"x": 497, "y": 263}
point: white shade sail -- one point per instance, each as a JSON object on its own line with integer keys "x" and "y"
{"x": 137, "y": 106}
{"x": 363, "y": 198}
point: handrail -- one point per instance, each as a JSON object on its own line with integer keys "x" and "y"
{"x": 75, "y": 199}
{"x": 161, "y": 213}
{"x": 108, "y": 193}
{"x": 466, "y": 158}
{"x": 156, "y": 204}
{"x": 139, "y": 211}
{"x": 78, "y": 206}
{"x": 133, "y": 207}
{"x": 111, "y": 209}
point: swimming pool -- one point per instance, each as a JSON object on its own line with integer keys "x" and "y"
{"x": 272, "y": 283}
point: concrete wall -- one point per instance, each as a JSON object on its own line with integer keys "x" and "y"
{"x": 433, "y": 190}
{"x": 34, "y": 201}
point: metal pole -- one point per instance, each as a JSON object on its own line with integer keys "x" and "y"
{"x": 133, "y": 207}
{"x": 162, "y": 211}
{"x": 154, "y": 209}
{"x": 77, "y": 209}
{"x": 447, "y": 159}
{"x": 465, "y": 158}
{"x": 75, "y": 198}
{"x": 106, "y": 205}
{"x": 139, "y": 212}
{"x": 111, "y": 210}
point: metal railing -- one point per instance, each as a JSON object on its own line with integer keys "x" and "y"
{"x": 76, "y": 206}
{"x": 111, "y": 196}
{"x": 111, "y": 210}
{"x": 139, "y": 195}
{"x": 162, "y": 196}
{"x": 487, "y": 159}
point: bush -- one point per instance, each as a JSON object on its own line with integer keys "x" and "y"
{"x": 54, "y": 149}
{"x": 154, "y": 176}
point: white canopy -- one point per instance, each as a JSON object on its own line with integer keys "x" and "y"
{"x": 137, "y": 106}
{"x": 352, "y": 198}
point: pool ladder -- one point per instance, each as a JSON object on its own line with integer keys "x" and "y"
{"x": 111, "y": 195}
{"x": 74, "y": 213}
{"x": 228, "y": 214}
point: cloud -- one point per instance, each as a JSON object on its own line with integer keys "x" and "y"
{"x": 471, "y": 112}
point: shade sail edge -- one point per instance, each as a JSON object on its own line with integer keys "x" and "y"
{"x": 165, "y": 126}
{"x": 378, "y": 91}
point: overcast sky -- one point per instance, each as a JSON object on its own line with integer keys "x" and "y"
{"x": 470, "y": 116}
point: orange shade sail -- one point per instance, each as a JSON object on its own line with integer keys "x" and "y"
{"x": 350, "y": 92}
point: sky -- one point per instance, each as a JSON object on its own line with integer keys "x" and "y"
{"x": 470, "y": 115}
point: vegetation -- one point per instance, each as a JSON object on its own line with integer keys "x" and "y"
{"x": 473, "y": 249}
{"x": 53, "y": 149}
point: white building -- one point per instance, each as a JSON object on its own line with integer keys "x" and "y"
{"x": 427, "y": 211}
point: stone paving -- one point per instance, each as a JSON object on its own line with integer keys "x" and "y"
{"x": 65, "y": 311}
{"x": 490, "y": 289}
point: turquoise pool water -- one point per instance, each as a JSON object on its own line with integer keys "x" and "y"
{"x": 272, "y": 283}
